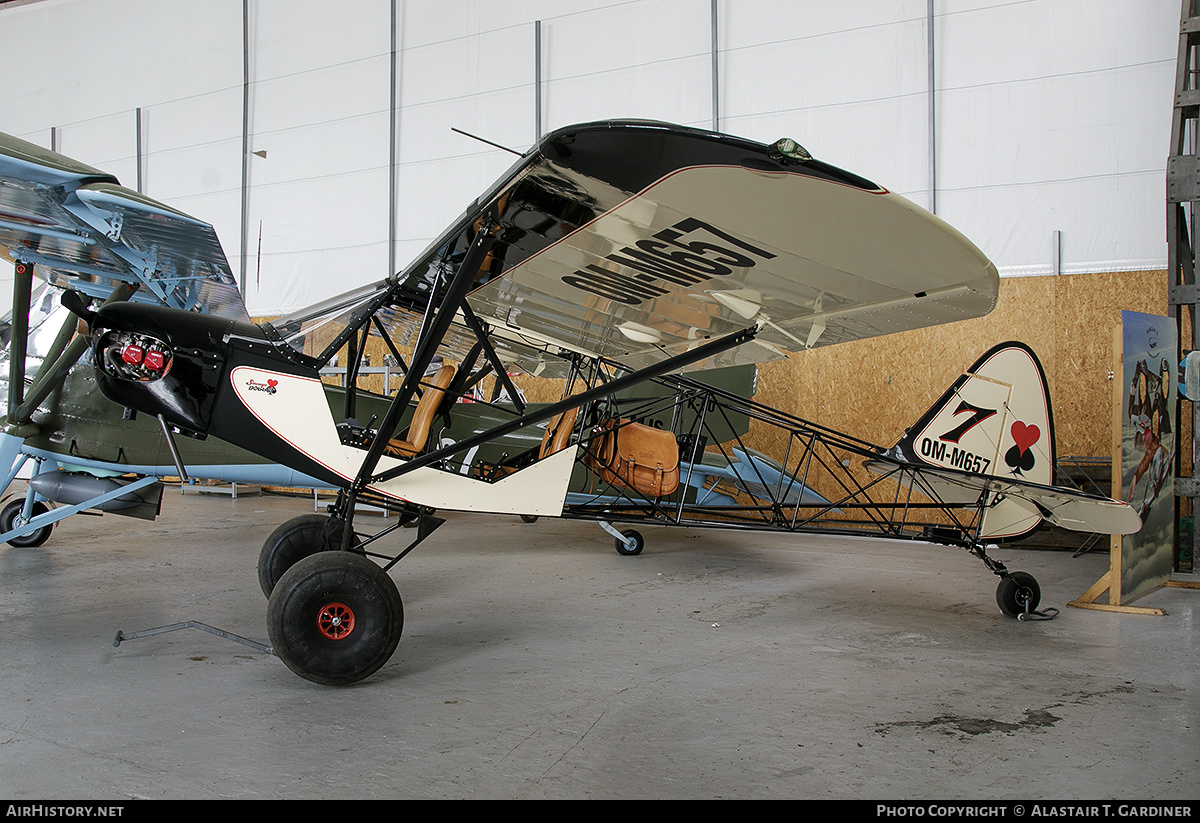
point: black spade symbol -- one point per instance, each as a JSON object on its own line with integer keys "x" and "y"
{"x": 1019, "y": 461}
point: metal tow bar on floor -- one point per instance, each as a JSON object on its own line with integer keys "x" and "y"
{"x": 1048, "y": 613}
{"x": 192, "y": 624}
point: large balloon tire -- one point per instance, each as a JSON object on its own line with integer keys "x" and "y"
{"x": 8, "y": 519}
{"x": 293, "y": 541}
{"x": 1018, "y": 594}
{"x": 335, "y": 618}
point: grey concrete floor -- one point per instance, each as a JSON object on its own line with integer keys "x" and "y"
{"x": 537, "y": 663}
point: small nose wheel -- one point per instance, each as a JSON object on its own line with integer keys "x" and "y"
{"x": 1018, "y": 595}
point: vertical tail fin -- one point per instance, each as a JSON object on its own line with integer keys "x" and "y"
{"x": 995, "y": 420}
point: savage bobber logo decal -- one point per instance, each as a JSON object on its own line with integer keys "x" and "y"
{"x": 270, "y": 386}
{"x": 262, "y": 392}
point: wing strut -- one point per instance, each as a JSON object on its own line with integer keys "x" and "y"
{"x": 426, "y": 348}
{"x": 22, "y": 289}
{"x": 64, "y": 353}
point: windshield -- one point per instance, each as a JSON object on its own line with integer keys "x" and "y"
{"x": 311, "y": 330}
{"x": 316, "y": 333}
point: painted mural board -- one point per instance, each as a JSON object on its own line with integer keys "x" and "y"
{"x": 1147, "y": 448}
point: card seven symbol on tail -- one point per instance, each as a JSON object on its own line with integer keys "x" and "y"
{"x": 1020, "y": 458}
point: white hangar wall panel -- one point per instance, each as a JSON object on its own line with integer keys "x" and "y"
{"x": 1057, "y": 116}
{"x": 604, "y": 63}
{"x": 456, "y": 72}
{"x": 1050, "y": 116}
{"x": 317, "y": 217}
{"x": 66, "y": 62}
{"x": 848, "y": 81}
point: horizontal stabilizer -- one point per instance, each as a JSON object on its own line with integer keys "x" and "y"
{"x": 1062, "y": 507}
{"x": 989, "y": 442}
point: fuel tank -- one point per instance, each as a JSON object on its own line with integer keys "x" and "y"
{"x": 70, "y": 488}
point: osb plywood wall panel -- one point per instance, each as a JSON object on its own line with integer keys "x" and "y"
{"x": 873, "y": 389}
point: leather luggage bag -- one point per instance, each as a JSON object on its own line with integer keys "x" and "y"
{"x": 641, "y": 457}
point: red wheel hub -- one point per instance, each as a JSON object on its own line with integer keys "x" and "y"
{"x": 335, "y": 621}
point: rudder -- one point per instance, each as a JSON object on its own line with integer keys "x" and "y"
{"x": 995, "y": 420}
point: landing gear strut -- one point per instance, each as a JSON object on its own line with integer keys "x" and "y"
{"x": 1018, "y": 593}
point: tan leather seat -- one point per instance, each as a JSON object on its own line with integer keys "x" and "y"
{"x": 558, "y": 432}
{"x": 418, "y": 429}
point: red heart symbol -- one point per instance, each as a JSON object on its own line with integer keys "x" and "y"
{"x": 1025, "y": 436}
{"x": 274, "y": 383}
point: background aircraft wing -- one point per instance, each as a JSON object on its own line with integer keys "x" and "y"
{"x": 82, "y": 230}
{"x": 639, "y": 240}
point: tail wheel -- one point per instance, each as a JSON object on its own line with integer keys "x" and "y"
{"x": 632, "y": 544}
{"x": 293, "y": 541}
{"x": 1018, "y": 594}
{"x": 335, "y": 618}
{"x": 8, "y": 520}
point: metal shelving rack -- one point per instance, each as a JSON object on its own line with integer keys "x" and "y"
{"x": 1183, "y": 192}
